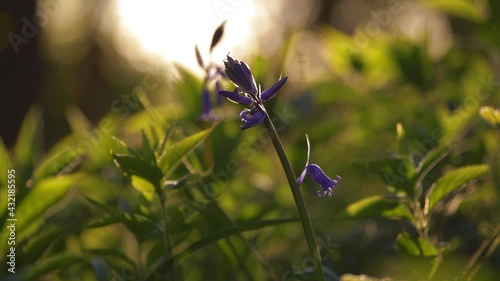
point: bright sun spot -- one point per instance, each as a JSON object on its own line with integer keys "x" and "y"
{"x": 169, "y": 30}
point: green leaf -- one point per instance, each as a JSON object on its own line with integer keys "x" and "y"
{"x": 413, "y": 246}
{"x": 454, "y": 180}
{"x": 52, "y": 264}
{"x": 142, "y": 227}
{"x": 460, "y": 8}
{"x": 28, "y": 144}
{"x": 121, "y": 218}
{"x": 227, "y": 232}
{"x": 147, "y": 150}
{"x": 77, "y": 120}
{"x": 151, "y": 111}
{"x": 111, "y": 253}
{"x": 143, "y": 185}
{"x": 39, "y": 244}
{"x": 106, "y": 209}
{"x": 403, "y": 141}
{"x": 376, "y": 207}
{"x": 134, "y": 166}
{"x": 30, "y": 211}
{"x": 59, "y": 163}
{"x": 174, "y": 153}
{"x": 431, "y": 159}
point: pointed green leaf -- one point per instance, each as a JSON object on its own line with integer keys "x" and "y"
{"x": 29, "y": 140}
{"x": 134, "y": 166}
{"x": 101, "y": 206}
{"x": 39, "y": 244}
{"x": 431, "y": 159}
{"x": 147, "y": 150}
{"x": 77, "y": 120}
{"x": 142, "y": 227}
{"x": 376, "y": 207}
{"x": 174, "y": 153}
{"x": 66, "y": 160}
{"x": 42, "y": 196}
{"x": 52, "y": 264}
{"x": 419, "y": 255}
{"x": 227, "y": 232}
{"x": 404, "y": 147}
{"x": 413, "y": 246}
{"x": 143, "y": 185}
{"x": 454, "y": 180}
{"x": 152, "y": 112}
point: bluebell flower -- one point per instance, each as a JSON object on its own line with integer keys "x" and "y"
{"x": 318, "y": 175}
{"x": 213, "y": 73}
{"x": 247, "y": 93}
{"x": 206, "y": 106}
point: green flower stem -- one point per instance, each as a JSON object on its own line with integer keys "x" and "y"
{"x": 168, "y": 244}
{"x": 297, "y": 196}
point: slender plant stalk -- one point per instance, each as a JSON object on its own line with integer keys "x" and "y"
{"x": 166, "y": 237}
{"x": 297, "y": 196}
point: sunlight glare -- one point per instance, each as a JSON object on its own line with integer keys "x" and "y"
{"x": 169, "y": 30}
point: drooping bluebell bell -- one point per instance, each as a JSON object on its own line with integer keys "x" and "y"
{"x": 318, "y": 175}
{"x": 247, "y": 92}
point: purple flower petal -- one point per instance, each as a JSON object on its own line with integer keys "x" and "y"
{"x": 220, "y": 98}
{"x": 206, "y": 102}
{"x": 252, "y": 86}
{"x": 206, "y": 105}
{"x": 302, "y": 176}
{"x": 322, "y": 179}
{"x": 270, "y": 92}
{"x": 236, "y": 98}
{"x": 241, "y": 75}
{"x": 251, "y": 117}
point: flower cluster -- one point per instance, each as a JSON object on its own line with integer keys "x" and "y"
{"x": 247, "y": 92}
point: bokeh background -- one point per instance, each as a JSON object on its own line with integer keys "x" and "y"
{"x": 356, "y": 69}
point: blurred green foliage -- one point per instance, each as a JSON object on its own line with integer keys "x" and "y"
{"x": 161, "y": 194}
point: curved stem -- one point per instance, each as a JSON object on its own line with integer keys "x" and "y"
{"x": 297, "y": 196}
